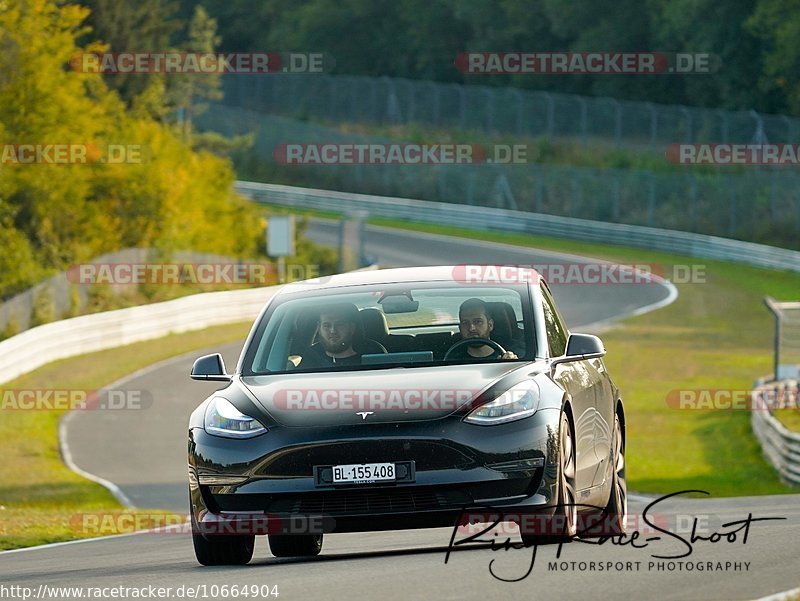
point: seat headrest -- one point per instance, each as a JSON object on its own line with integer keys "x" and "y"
{"x": 498, "y": 311}
{"x": 374, "y": 323}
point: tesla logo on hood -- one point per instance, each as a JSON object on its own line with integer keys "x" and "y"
{"x": 364, "y": 414}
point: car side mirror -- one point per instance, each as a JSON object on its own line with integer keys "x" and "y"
{"x": 581, "y": 347}
{"x": 210, "y": 368}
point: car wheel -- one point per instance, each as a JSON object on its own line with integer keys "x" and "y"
{"x": 221, "y": 550}
{"x": 563, "y": 524}
{"x": 295, "y": 545}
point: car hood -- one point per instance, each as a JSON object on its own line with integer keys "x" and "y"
{"x": 391, "y": 395}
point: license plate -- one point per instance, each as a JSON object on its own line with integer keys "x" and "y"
{"x": 358, "y": 473}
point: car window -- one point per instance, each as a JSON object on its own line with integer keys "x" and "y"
{"x": 392, "y": 325}
{"x": 556, "y": 332}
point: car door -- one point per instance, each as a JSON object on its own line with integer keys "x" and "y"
{"x": 576, "y": 378}
{"x": 605, "y": 402}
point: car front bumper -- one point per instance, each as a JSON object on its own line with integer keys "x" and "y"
{"x": 266, "y": 484}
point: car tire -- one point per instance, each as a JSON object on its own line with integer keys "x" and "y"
{"x": 295, "y": 545}
{"x": 563, "y": 524}
{"x": 223, "y": 550}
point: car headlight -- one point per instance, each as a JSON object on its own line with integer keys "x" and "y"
{"x": 223, "y": 419}
{"x": 519, "y": 401}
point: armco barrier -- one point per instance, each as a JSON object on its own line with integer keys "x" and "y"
{"x": 89, "y": 333}
{"x": 488, "y": 218}
{"x": 780, "y": 446}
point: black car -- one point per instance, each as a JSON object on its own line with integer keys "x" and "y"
{"x": 406, "y": 398}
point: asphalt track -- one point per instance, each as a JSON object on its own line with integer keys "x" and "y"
{"x": 143, "y": 453}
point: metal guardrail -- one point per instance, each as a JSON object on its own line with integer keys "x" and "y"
{"x": 489, "y": 218}
{"x": 38, "y": 346}
{"x": 780, "y": 446}
{"x": 57, "y": 340}
{"x": 756, "y": 204}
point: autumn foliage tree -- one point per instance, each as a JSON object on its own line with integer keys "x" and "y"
{"x": 163, "y": 195}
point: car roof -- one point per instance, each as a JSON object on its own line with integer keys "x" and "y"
{"x": 472, "y": 273}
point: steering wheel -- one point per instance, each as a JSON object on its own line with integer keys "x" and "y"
{"x": 486, "y": 341}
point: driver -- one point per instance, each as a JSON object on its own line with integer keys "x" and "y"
{"x": 474, "y": 322}
{"x": 338, "y": 325}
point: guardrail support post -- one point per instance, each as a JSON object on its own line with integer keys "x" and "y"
{"x": 773, "y": 308}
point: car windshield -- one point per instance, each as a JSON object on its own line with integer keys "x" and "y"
{"x": 373, "y": 327}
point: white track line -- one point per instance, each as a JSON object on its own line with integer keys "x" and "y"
{"x": 73, "y": 542}
{"x": 66, "y": 454}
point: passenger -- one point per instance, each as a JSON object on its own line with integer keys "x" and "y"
{"x": 341, "y": 339}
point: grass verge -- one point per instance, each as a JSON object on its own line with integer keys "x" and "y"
{"x": 38, "y": 494}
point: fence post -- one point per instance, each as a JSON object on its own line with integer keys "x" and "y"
{"x": 759, "y": 137}
{"x": 773, "y": 308}
{"x": 373, "y": 98}
{"x": 651, "y": 199}
{"x": 354, "y": 112}
{"x": 797, "y": 214}
{"x": 577, "y": 198}
{"x": 518, "y": 95}
{"x": 789, "y": 129}
{"x": 393, "y": 111}
{"x": 489, "y": 109}
{"x": 333, "y": 90}
{"x": 732, "y": 212}
{"x": 435, "y": 89}
{"x": 584, "y": 121}
{"x": 539, "y": 193}
{"x": 462, "y": 105}
{"x": 411, "y": 113}
{"x": 689, "y": 133}
{"x": 617, "y": 122}
{"x": 551, "y": 107}
{"x": 653, "y": 125}
{"x": 471, "y": 187}
{"x": 772, "y": 209}
{"x": 724, "y": 129}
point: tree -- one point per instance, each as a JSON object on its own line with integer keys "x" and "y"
{"x": 141, "y": 26}
{"x": 185, "y": 89}
{"x": 777, "y": 24}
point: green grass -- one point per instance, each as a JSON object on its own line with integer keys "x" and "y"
{"x": 789, "y": 418}
{"x": 39, "y": 495}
